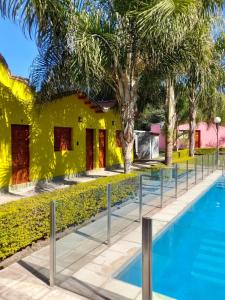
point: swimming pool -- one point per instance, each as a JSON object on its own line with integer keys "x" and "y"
{"x": 189, "y": 256}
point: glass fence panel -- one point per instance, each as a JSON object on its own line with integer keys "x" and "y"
{"x": 211, "y": 162}
{"x": 200, "y": 167}
{"x": 124, "y": 204}
{"x": 151, "y": 189}
{"x": 206, "y": 165}
{"x": 191, "y": 172}
{"x": 168, "y": 176}
{"x": 75, "y": 236}
{"x": 221, "y": 162}
{"x": 182, "y": 177}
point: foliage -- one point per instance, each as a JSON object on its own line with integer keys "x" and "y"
{"x": 202, "y": 151}
{"x": 180, "y": 154}
{"x": 110, "y": 49}
{"x": 25, "y": 221}
{"x": 150, "y": 114}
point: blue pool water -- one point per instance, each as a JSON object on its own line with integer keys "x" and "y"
{"x": 189, "y": 257}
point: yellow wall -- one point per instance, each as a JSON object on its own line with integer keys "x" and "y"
{"x": 17, "y": 107}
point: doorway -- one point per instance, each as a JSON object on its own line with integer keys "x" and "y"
{"x": 102, "y": 148}
{"x": 20, "y": 153}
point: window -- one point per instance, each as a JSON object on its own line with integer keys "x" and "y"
{"x": 62, "y": 138}
{"x": 118, "y": 138}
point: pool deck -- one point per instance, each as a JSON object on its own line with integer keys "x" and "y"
{"x": 95, "y": 278}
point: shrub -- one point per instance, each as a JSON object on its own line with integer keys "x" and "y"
{"x": 181, "y": 154}
{"x": 27, "y": 220}
{"x": 202, "y": 151}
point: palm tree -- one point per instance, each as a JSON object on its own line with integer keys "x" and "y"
{"x": 173, "y": 23}
{"x": 108, "y": 45}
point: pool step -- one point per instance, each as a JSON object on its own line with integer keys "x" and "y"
{"x": 220, "y": 185}
{"x": 209, "y": 264}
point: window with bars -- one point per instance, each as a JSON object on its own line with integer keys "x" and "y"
{"x": 62, "y": 138}
{"x": 118, "y": 138}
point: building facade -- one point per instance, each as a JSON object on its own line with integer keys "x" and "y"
{"x": 205, "y": 135}
{"x": 62, "y": 138}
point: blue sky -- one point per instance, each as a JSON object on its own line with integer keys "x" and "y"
{"x": 17, "y": 50}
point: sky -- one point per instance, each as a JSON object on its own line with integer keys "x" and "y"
{"x": 17, "y": 50}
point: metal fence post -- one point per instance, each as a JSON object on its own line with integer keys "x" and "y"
{"x": 176, "y": 194}
{"x": 208, "y": 164}
{"x": 146, "y": 258}
{"x": 222, "y": 167}
{"x": 187, "y": 175}
{"x": 202, "y": 167}
{"x": 52, "y": 243}
{"x": 223, "y": 164}
{"x": 109, "y": 211}
{"x": 140, "y": 197}
{"x": 161, "y": 187}
{"x": 214, "y": 162}
{"x": 196, "y": 170}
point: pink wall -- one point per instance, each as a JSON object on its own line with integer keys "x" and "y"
{"x": 156, "y": 128}
{"x": 207, "y": 134}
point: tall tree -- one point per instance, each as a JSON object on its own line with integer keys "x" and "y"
{"x": 176, "y": 21}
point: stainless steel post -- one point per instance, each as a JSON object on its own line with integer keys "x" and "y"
{"x": 146, "y": 258}
{"x": 217, "y": 145}
{"x": 161, "y": 187}
{"x": 176, "y": 169}
{"x": 211, "y": 163}
{"x": 208, "y": 164}
{"x": 223, "y": 163}
{"x": 109, "y": 211}
{"x": 222, "y": 167}
{"x": 187, "y": 169}
{"x": 52, "y": 243}
{"x": 202, "y": 167}
{"x": 140, "y": 197}
{"x": 196, "y": 170}
{"x": 215, "y": 166}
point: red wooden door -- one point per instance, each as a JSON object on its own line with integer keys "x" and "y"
{"x": 102, "y": 148}
{"x": 20, "y": 153}
{"x": 197, "y": 139}
{"x": 89, "y": 149}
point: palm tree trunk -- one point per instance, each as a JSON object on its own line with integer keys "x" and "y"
{"x": 192, "y": 124}
{"x": 127, "y": 97}
{"x": 170, "y": 119}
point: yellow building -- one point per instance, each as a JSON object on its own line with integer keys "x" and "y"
{"x": 63, "y": 138}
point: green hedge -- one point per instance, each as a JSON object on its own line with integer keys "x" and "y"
{"x": 180, "y": 154}
{"x": 25, "y": 221}
{"x": 201, "y": 151}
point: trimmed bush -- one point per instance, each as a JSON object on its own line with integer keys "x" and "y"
{"x": 201, "y": 151}
{"x": 27, "y": 220}
{"x": 181, "y": 154}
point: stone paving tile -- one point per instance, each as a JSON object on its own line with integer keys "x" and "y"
{"x": 125, "y": 247}
{"x": 28, "y": 288}
{"x": 10, "y": 277}
{"x": 90, "y": 277}
{"x": 16, "y": 282}
{"x": 57, "y": 294}
{"x": 155, "y": 297}
{"x": 126, "y": 290}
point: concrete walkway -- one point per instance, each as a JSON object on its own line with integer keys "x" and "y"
{"x": 92, "y": 274}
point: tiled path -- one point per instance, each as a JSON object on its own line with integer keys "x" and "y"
{"x": 92, "y": 276}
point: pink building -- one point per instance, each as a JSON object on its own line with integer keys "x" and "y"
{"x": 205, "y": 135}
